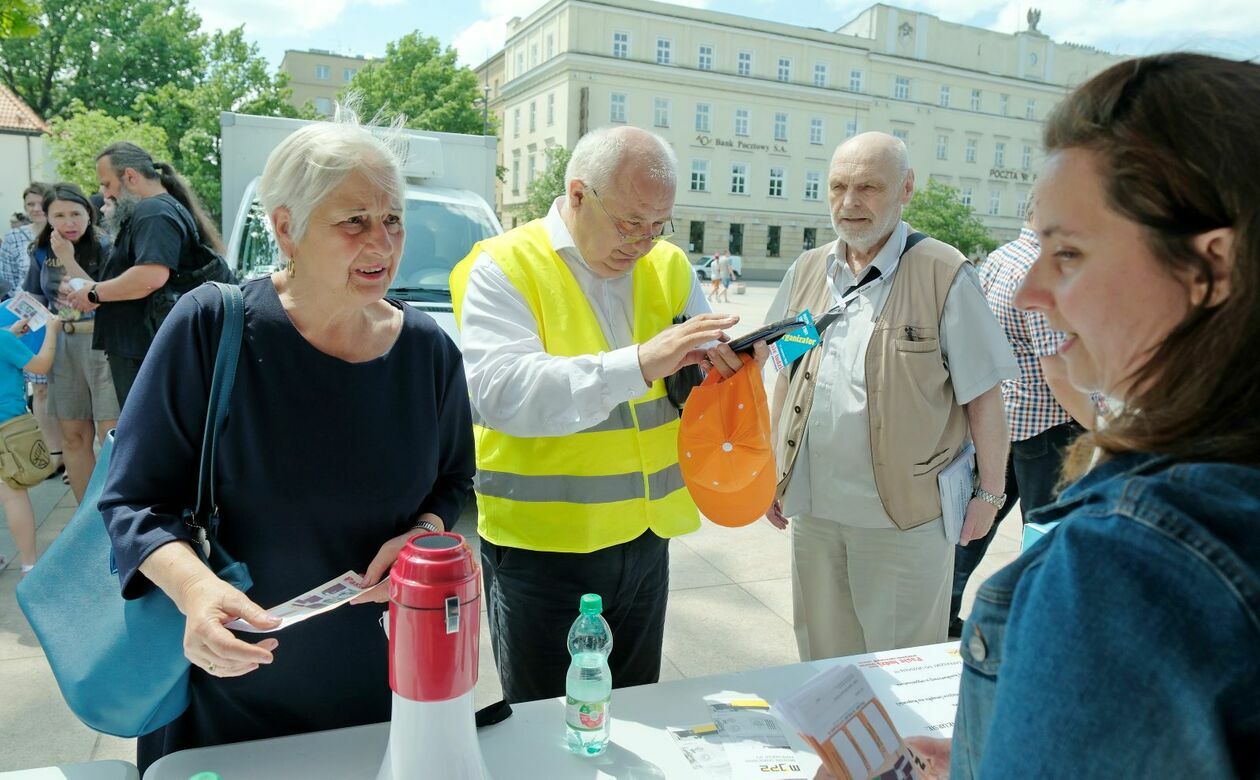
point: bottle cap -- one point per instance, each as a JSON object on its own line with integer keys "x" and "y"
{"x": 591, "y": 604}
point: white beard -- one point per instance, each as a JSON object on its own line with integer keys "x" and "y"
{"x": 864, "y": 239}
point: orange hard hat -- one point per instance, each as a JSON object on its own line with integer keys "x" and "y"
{"x": 724, "y": 448}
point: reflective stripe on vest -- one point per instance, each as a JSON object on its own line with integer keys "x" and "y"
{"x": 618, "y": 478}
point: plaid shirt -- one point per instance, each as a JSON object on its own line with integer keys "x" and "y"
{"x": 14, "y": 258}
{"x": 1030, "y": 406}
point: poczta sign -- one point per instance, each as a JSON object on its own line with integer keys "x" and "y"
{"x": 1011, "y": 175}
{"x": 709, "y": 141}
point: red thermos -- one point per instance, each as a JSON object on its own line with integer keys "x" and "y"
{"x": 434, "y": 613}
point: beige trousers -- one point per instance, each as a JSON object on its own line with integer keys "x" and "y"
{"x": 861, "y": 590}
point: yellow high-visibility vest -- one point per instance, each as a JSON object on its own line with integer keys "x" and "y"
{"x": 613, "y": 481}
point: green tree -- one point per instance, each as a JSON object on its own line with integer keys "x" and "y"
{"x": 18, "y": 18}
{"x": 938, "y": 211}
{"x": 76, "y": 141}
{"x": 236, "y": 78}
{"x": 547, "y": 186}
{"x": 105, "y": 53}
{"x": 420, "y": 80}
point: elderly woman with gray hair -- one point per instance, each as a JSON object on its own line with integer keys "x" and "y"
{"x": 349, "y": 426}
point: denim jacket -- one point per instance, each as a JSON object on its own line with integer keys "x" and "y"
{"x": 1127, "y": 642}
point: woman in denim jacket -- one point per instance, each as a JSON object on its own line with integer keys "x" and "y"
{"x": 1127, "y": 643}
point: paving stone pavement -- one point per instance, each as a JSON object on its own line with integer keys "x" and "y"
{"x": 730, "y": 610}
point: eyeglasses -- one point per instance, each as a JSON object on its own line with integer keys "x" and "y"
{"x": 624, "y": 227}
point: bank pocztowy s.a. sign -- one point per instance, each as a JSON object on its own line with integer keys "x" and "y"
{"x": 745, "y": 146}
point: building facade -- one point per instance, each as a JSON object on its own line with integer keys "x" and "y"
{"x": 318, "y": 76}
{"x": 24, "y": 154}
{"x": 754, "y": 109}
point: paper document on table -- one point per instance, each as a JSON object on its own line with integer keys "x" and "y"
{"x": 316, "y": 601}
{"x": 839, "y": 716}
{"x": 753, "y": 740}
{"x": 956, "y": 482}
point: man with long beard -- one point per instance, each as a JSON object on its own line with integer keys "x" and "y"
{"x": 158, "y": 224}
{"x": 907, "y": 373}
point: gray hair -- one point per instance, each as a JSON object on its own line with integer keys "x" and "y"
{"x": 599, "y": 154}
{"x": 314, "y": 160}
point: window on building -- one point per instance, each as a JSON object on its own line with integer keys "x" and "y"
{"x": 1025, "y": 159}
{"x": 323, "y": 72}
{"x": 945, "y": 96}
{"x": 975, "y": 100}
{"x": 696, "y": 237}
{"x": 855, "y": 80}
{"x": 942, "y": 147}
{"x": 516, "y": 175}
{"x": 1004, "y": 102}
{"x": 772, "y": 241}
{"x": 617, "y": 107}
{"x": 739, "y": 181}
{"x": 551, "y": 46}
{"x": 972, "y": 144}
{"x": 780, "y": 127}
{"x": 531, "y": 170}
{"x": 347, "y": 74}
{"x": 741, "y": 121}
{"x": 813, "y": 185}
{"x": 520, "y": 62}
{"x": 809, "y": 239}
{"x": 735, "y": 240}
{"x": 664, "y": 51}
{"x": 776, "y": 182}
{"x": 1030, "y": 111}
{"x": 816, "y": 131}
{"x": 901, "y": 88}
{"x": 551, "y": 109}
{"x": 1021, "y": 204}
{"x": 533, "y": 115}
{"x": 699, "y": 176}
{"x": 743, "y": 65}
{"x": 850, "y": 128}
{"x": 660, "y": 112}
{"x": 785, "y": 69}
{"x": 904, "y": 135}
{"x": 323, "y": 106}
{"x": 533, "y": 55}
{"x": 995, "y": 202}
{"x": 516, "y": 122}
{"x": 621, "y": 45}
{"x": 964, "y": 195}
{"x": 999, "y": 155}
{"x": 705, "y": 62}
{"x": 703, "y": 113}
{"x": 820, "y": 75}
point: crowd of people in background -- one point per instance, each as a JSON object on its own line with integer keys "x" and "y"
{"x": 1135, "y": 279}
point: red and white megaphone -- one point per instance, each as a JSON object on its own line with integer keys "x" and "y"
{"x": 434, "y": 611}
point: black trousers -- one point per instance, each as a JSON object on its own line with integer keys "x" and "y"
{"x": 532, "y": 600}
{"x": 1032, "y": 471}
{"x": 123, "y": 371}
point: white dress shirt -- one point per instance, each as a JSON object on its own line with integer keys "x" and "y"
{"x": 517, "y": 387}
{"x": 835, "y": 475}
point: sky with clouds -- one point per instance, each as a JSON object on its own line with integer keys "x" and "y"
{"x": 476, "y": 27}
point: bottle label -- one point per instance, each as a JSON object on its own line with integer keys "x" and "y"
{"x": 586, "y": 715}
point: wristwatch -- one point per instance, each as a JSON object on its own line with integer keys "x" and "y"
{"x": 425, "y": 525}
{"x": 989, "y": 498}
{"x": 92, "y": 296}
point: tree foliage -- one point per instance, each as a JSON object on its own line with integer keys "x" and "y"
{"x": 18, "y": 18}
{"x": 104, "y": 53}
{"x": 236, "y": 78}
{"x": 420, "y": 80}
{"x": 76, "y": 141}
{"x": 547, "y": 186}
{"x": 938, "y": 211}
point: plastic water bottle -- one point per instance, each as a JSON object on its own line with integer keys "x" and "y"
{"x": 588, "y": 687}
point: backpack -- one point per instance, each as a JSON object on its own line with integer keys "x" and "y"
{"x": 210, "y": 266}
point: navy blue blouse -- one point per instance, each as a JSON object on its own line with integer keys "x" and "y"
{"x": 320, "y": 462}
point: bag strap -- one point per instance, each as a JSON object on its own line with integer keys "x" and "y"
{"x": 216, "y": 409}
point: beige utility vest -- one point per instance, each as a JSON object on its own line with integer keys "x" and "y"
{"x": 916, "y": 425}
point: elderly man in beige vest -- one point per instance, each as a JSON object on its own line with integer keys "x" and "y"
{"x": 906, "y": 375}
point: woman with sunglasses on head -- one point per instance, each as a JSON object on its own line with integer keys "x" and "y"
{"x": 68, "y": 253}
